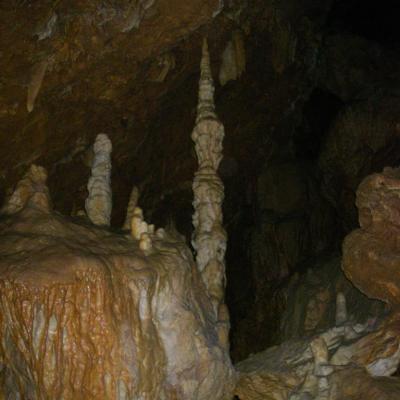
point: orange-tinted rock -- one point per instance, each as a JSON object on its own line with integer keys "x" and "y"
{"x": 371, "y": 254}
{"x": 356, "y": 383}
{"x": 86, "y": 314}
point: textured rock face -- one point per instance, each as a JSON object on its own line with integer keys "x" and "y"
{"x": 87, "y": 314}
{"x": 289, "y": 228}
{"x": 355, "y": 384}
{"x": 311, "y": 301}
{"x": 371, "y": 254}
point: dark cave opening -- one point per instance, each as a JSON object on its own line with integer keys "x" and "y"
{"x": 377, "y": 21}
{"x": 319, "y": 112}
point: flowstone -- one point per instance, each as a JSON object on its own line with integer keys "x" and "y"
{"x": 86, "y": 314}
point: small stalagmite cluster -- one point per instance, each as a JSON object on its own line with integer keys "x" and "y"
{"x": 86, "y": 313}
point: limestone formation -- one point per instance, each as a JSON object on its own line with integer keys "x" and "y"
{"x": 341, "y": 309}
{"x": 315, "y": 368}
{"x": 233, "y": 62}
{"x": 35, "y": 83}
{"x": 46, "y": 28}
{"x": 30, "y": 189}
{"x": 209, "y": 237}
{"x": 133, "y": 201}
{"x": 370, "y": 254}
{"x": 87, "y": 314}
{"x": 138, "y": 225}
{"x": 134, "y": 14}
{"x": 321, "y": 368}
{"x": 99, "y": 201}
{"x": 145, "y": 242}
{"x": 161, "y": 66}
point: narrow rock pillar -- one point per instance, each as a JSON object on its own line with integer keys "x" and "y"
{"x": 99, "y": 201}
{"x": 209, "y": 237}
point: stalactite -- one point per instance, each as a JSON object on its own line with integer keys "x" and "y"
{"x": 233, "y": 59}
{"x": 38, "y": 72}
{"x": 99, "y": 202}
{"x": 133, "y": 201}
{"x": 209, "y": 238}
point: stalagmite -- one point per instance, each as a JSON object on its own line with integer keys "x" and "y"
{"x": 133, "y": 201}
{"x": 145, "y": 242}
{"x": 31, "y": 188}
{"x": 99, "y": 202}
{"x": 209, "y": 238}
{"x": 321, "y": 367}
{"x": 341, "y": 309}
{"x": 138, "y": 225}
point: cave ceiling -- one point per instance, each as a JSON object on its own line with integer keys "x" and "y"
{"x": 73, "y": 69}
{"x": 70, "y": 70}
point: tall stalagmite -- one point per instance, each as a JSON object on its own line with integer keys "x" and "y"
{"x": 99, "y": 201}
{"x": 209, "y": 238}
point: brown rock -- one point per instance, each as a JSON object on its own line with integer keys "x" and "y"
{"x": 371, "y": 257}
{"x": 356, "y": 384}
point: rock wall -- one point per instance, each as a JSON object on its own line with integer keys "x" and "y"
{"x": 311, "y": 300}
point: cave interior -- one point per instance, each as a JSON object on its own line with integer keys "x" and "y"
{"x": 302, "y": 303}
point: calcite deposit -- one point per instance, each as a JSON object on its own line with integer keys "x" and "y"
{"x": 371, "y": 258}
{"x": 133, "y": 200}
{"x": 31, "y": 186}
{"x": 233, "y": 63}
{"x": 38, "y": 73}
{"x": 99, "y": 202}
{"x": 209, "y": 237}
{"x": 86, "y": 313}
{"x": 316, "y": 368}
